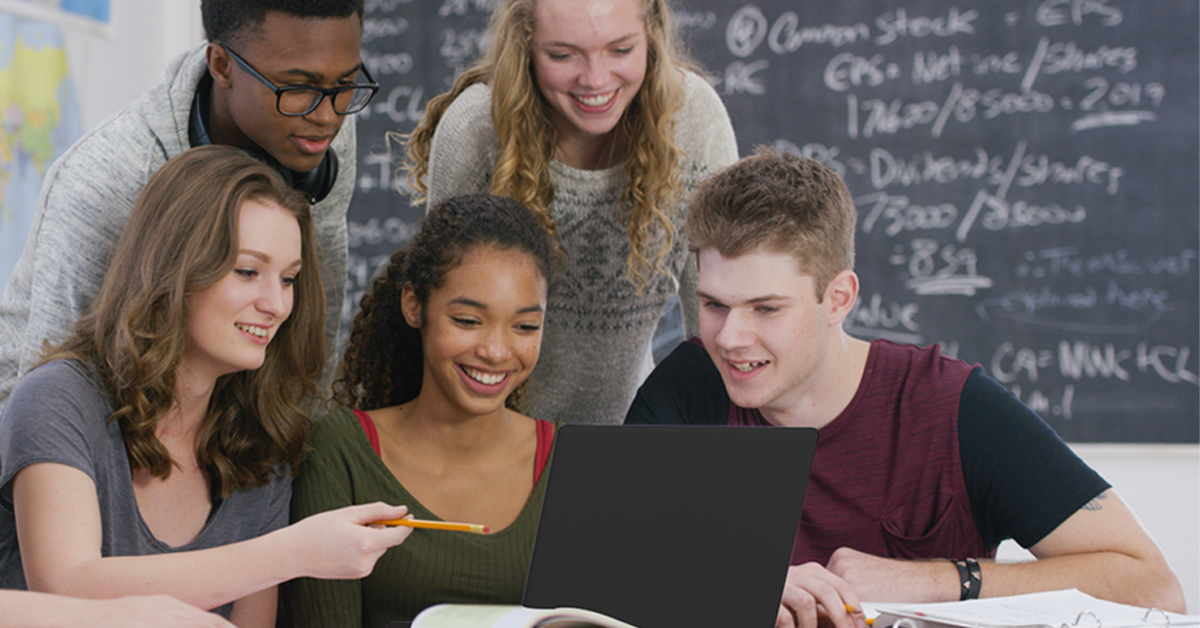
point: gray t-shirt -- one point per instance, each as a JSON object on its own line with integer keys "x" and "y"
{"x": 58, "y": 413}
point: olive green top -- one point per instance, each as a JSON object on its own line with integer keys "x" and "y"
{"x": 430, "y": 567}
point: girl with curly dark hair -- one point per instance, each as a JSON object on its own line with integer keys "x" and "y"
{"x": 590, "y": 113}
{"x": 444, "y": 340}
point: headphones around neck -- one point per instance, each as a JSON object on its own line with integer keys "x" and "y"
{"x": 315, "y": 184}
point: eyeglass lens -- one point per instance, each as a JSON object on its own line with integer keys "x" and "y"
{"x": 302, "y": 101}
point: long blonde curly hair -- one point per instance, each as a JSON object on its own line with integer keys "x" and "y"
{"x": 521, "y": 117}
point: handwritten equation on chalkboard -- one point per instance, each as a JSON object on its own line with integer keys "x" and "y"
{"x": 414, "y": 49}
{"x": 1026, "y": 175}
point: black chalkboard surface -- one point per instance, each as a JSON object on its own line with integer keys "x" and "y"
{"x": 1026, "y": 175}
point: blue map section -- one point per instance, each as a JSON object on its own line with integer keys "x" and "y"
{"x": 22, "y": 165}
{"x": 95, "y": 9}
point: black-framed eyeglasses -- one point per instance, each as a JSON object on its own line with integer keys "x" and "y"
{"x": 301, "y": 100}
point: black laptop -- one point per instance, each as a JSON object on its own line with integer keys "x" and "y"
{"x": 669, "y": 526}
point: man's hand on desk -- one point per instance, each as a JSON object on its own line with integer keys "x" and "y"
{"x": 817, "y": 597}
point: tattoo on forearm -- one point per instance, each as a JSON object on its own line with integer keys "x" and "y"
{"x": 1095, "y": 503}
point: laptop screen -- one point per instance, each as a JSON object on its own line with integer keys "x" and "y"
{"x": 667, "y": 526}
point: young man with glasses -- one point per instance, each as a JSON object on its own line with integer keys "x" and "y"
{"x": 287, "y": 95}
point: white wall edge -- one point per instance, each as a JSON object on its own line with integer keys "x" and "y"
{"x": 1136, "y": 450}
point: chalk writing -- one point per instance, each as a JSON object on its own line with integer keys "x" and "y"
{"x": 787, "y": 36}
{"x": 902, "y": 216}
{"x": 1068, "y": 261}
{"x": 695, "y": 20}
{"x": 1060, "y": 57}
{"x": 829, "y": 156}
{"x": 1055, "y": 403}
{"x": 1023, "y": 171}
{"x": 886, "y": 169}
{"x": 962, "y": 105}
{"x": 743, "y": 78}
{"x": 1059, "y": 12}
{"x": 1082, "y": 360}
{"x": 382, "y": 6}
{"x": 378, "y": 28}
{"x": 375, "y": 172}
{"x": 386, "y": 64}
{"x": 361, "y": 271}
{"x": 1002, "y": 214}
{"x": 1039, "y": 169}
{"x": 849, "y": 70}
{"x": 402, "y": 104}
{"x": 1070, "y": 310}
{"x": 376, "y": 231}
{"x": 458, "y": 47}
{"x": 1121, "y": 94}
{"x": 895, "y": 321}
{"x": 745, "y": 31}
{"x": 893, "y": 26}
{"x": 464, "y": 7}
{"x": 748, "y": 28}
{"x": 934, "y": 269}
{"x": 932, "y": 67}
{"x": 996, "y": 64}
{"x": 1034, "y": 170}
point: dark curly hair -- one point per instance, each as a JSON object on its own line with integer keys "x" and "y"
{"x": 384, "y": 360}
{"x": 227, "y": 20}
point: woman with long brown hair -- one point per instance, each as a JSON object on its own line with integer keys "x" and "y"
{"x": 588, "y": 113}
{"x": 149, "y": 452}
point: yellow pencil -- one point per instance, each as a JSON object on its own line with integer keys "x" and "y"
{"x": 852, "y": 610}
{"x": 436, "y": 525}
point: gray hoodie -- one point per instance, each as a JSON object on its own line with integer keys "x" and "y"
{"x": 87, "y": 196}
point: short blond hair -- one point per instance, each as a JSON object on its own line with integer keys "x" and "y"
{"x": 781, "y": 203}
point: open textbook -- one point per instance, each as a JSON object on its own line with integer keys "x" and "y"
{"x": 494, "y": 616}
{"x": 1052, "y": 609}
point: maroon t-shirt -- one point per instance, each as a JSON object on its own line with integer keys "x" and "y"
{"x": 887, "y": 478}
{"x": 931, "y": 459}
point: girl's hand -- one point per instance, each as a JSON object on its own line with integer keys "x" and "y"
{"x": 342, "y": 544}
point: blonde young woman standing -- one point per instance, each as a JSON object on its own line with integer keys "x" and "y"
{"x": 587, "y": 113}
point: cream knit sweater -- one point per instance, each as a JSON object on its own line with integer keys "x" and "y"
{"x": 596, "y": 344}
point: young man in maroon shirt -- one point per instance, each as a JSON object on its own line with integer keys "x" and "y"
{"x": 924, "y": 463}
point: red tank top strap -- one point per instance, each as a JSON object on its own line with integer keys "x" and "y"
{"x": 545, "y": 442}
{"x": 369, "y": 427}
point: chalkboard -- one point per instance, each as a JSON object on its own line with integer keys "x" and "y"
{"x": 1026, "y": 175}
